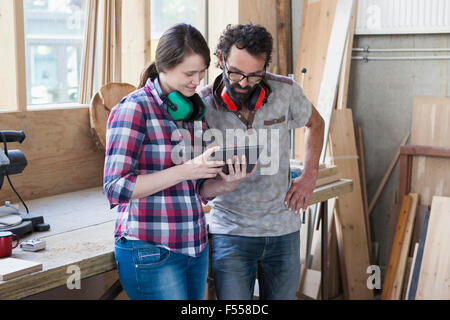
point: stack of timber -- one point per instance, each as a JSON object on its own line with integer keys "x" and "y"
{"x": 326, "y": 39}
{"x": 421, "y": 269}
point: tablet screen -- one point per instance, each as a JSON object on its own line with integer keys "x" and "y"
{"x": 251, "y": 155}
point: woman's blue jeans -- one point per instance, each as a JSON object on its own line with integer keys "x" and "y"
{"x": 238, "y": 260}
{"x": 149, "y": 272}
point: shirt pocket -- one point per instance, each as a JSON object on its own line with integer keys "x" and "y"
{"x": 272, "y": 122}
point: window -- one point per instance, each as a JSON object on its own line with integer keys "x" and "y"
{"x": 165, "y": 13}
{"x": 54, "y": 31}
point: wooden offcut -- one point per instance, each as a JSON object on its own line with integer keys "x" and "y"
{"x": 434, "y": 278}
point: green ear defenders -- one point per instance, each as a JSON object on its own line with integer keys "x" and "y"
{"x": 181, "y": 107}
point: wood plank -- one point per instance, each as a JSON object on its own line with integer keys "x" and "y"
{"x": 311, "y": 286}
{"x": 324, "y": 171}
{"x": 407, "y": 275}
{"x": 315, "y": 30}
{"x": 331, "y": 190}
{"x": 346, "y": 62}
{"x": 92, "y": 254}
{"x": 396, "y": 248}
{"x": 284, "y": 37}
{"x": 362, "y": 170}
{"x": 316, "y": 24}
{"x": 434, "y": 275}
{"x": 429, "y": 151}
{"x": 11, "y": 268}
{"x": 418, "y": 260}
{"x": 400, "y": 272}
{"x": 387, "y": 174}
{"x": 430, "y": 176}
{"x": 327, "y": 180}
{"x": 362, "y": 176}
{"x": 330, "y": 77}
{"x": 351, "y": 231}
{"x": 408, "y": 288}
{"x": 334, "y": 270}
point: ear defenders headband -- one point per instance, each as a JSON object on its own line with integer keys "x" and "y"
{"x": 257, "y": 99}
{"x": 181, "y": 107}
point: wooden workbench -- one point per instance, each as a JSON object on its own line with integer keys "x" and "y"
{"x": 82, "y": 234}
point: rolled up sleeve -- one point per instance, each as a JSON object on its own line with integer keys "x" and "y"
{"x": 125, "y": 135}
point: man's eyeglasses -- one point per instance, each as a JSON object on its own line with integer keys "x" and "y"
{"x": 238, "y": 76}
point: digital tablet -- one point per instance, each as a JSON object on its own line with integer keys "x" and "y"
{"x": 251, "y": 155}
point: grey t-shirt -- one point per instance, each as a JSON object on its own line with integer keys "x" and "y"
{"x": 256, "y": 208}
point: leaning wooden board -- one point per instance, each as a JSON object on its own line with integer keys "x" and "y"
{"x": 352, "y": 227}
{"x": 391, "y": 287}
{"x": 434, "y": 278}
{"x": 430, "y": 176}
{"x": 11, "y": 268}
{"x": 316, "y": 24}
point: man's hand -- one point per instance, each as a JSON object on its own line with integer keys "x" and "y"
{"x": 301, "y": 191}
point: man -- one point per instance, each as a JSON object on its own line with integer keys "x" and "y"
{"x": 255, "y": 229}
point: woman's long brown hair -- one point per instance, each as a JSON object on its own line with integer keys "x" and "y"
{"x": 175, "y": 43}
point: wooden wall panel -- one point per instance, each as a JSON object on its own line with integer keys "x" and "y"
{"x": 60, "y": 151}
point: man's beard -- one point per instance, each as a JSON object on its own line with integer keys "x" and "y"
{"x": 241, "y": 96}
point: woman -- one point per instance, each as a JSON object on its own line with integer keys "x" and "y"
{"x": 161, "y": 246}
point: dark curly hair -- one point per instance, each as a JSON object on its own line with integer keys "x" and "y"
{"x": 253, "y": 38}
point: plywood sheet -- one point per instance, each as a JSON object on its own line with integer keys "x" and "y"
{"x": 61, "y": 154}
{"x": 430, "y": 126}
{"x": 434, "y": 278}
{"x": 11, "y": 268}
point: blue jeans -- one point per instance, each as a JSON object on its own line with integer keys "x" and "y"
{"x": 237, "y": 260}
{"x": 149, "y": 272}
